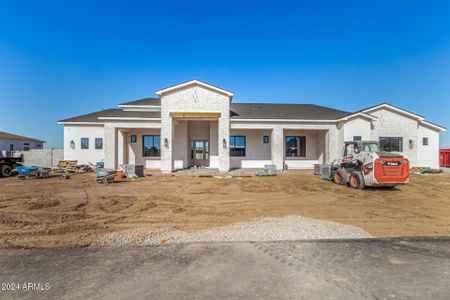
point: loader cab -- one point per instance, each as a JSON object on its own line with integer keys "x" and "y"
{"x": 370, "y": 146}
{"x": 351, "y": 148}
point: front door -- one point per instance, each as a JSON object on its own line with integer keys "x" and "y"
{"x": 200, "y": 153}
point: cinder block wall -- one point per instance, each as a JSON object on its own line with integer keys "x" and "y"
{"x": 43, "y": 157}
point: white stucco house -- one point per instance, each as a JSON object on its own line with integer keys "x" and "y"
{"x": 197, "y": 124}
{"x": 13, "y": 142}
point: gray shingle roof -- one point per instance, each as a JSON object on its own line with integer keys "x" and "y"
{"x": 144, "y": 101}
{"x": 238, "y": 111}
{"x": 284, "y": 111}
{"x": 11, "y": 136}
{"x": 93, "y": 117}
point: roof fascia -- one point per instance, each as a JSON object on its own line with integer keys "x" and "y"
{"x": 362, "y": 114}
{"x": 194, "y": 82}
{"x": 434, "y": 126}
{"x": 396, "y": 109}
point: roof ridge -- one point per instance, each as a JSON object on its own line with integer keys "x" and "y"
{"x": 294, "y": 104}
{"x": 18, "y": 137}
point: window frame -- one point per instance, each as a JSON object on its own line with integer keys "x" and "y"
{"x": 425, "y": 141}
{"x": 82, "y": 145}
{"x": 157, "y": 151}
{"x": 357, "y": 138}
{"x": 242, "y": 152}
{"x": 133, "y": 138}
{"x": 101, "y": 146}
{"x": 301, "y": 151}
{"x": 390, "y": 139}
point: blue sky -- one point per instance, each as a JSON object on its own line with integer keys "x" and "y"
{"x": 61, "y": 59}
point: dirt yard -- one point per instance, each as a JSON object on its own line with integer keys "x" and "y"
{"x": 72, "y": 213}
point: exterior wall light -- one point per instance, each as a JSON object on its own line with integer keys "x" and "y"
{"x": 166, "y": 143}
{"x": 72, "y": 145}
{"x": 224, "y": 144}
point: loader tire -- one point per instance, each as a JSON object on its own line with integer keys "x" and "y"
{"x": 5, "y": 171}
{"x": 338, "y": 178}
{"x": 356, "y": 180}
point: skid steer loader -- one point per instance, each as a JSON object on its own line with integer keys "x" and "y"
{"x": 363, "y": 164}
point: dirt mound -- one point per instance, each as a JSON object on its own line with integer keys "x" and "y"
{"x": 178, "y": 210}
{"x": 149, "y": 205}
{"x": 114, "y": 204}
{"x": 71, "y": 228}
{"x": 259, "y": 187}
{"x": 164, "y": 198}
{"x": 41, "y": 203}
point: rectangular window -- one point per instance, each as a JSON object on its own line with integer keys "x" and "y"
{"x": 98, "y": 143}
{"x": 11, "y": 147}
{"x": 425, "y": 141}
{"x": 391, "y": 144}
{"x": 84, "y": 143}
{"x": 295, "y": 146}
{"x": 357, "y": 138}
{"x": 151, "y": 145}
{"x": 237, "y": 145}
{"x": 133, "y": 138}
{"x": 266, "y": 139}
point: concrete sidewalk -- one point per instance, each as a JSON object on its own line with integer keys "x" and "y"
{"x": 353, "y": 269}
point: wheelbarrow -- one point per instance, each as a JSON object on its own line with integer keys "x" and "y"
{"x": 105, "y": 176}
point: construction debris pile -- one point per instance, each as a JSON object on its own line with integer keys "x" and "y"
{"x": 125, "y": 173}
{"x": 63, "y": 169}
{"x": 425, "y": 171}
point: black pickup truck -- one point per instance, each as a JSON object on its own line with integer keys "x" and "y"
{"x": 8, "y": 164}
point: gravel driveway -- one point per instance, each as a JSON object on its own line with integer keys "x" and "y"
{"x": 267, "y": 229}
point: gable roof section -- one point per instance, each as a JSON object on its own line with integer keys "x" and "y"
{"x": 419, "y": 118}
{"x": 192, "y": 83}
{"x": 433, "y": 125}
{"x": 10, "y": 136}
{"x": 142, "y": 102}
{"x": 394, "y": 108}
{"x": 357, "y": 114}
{"x": 107, "y": 114}
{"x": 284, "y": 111}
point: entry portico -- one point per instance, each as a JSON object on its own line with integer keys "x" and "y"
{"x": 197, "y": 124}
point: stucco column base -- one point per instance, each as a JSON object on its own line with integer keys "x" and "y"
{"x": 224, "y": 147}
{"x": 277, "y": 148}
{"x": 110, "y": 146}
{"x": 167, "y": 146}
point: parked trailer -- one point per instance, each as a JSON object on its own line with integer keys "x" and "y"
{"x": 444, "y": 157}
